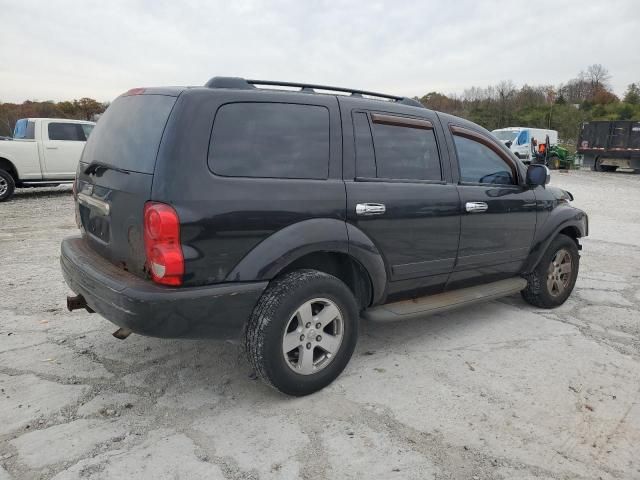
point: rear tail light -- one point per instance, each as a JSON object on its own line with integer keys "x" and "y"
{"x": 162, "y": 243}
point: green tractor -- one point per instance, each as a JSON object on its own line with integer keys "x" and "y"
{"x": 553, "y": 156}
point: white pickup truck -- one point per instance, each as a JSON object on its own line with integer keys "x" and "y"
{"x": 42, "y": 152}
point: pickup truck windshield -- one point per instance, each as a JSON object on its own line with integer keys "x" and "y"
{"x": 128, "y": 134}
{"x": 24, "y": 130}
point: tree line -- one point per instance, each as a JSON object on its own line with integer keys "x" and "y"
{"x": 564, "y": 107}
{"x": 81, "y": 109}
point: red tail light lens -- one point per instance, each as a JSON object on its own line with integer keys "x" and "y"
{"x": 162, "y": 243}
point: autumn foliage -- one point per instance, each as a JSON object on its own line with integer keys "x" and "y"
{"x": 82, "y": 109}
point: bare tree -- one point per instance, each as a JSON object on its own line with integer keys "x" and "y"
{"x": 505, "y": 92}
{"x": 598, "y": 76}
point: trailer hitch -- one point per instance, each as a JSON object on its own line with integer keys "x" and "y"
{"x": 78, "y": 302}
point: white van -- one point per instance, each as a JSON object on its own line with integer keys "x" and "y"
{"x": 518, "y": 139}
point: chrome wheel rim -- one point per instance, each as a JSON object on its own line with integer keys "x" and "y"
{"x": 4, "y": 185}
{"x": 313, "y": 336}
{"x": 559, "y": 273}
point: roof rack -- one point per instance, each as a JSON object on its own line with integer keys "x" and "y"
{"x": 245, "y": 84}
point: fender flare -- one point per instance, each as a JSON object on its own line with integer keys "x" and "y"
{"x": 6, "y": 158}
{"x": 291, "y": 243}
{"x": 575, "y": 218}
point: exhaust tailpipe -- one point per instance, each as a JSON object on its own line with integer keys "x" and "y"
{"x": 121, "y": 333}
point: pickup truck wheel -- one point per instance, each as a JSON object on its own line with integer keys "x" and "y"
{"x": 7, "y": 185}
{"x": 551, "y": 283}
{"x": 302, "y": 332}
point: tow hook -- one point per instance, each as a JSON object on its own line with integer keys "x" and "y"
{"x": 76, "y": 303}
{"x": 121, "y": 333}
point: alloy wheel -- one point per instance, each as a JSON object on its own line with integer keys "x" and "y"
{"x": 559, "y": 273}
{"x": 313, "y": 336}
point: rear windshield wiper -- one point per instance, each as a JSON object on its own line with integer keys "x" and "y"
{"x": 95, "y": 167}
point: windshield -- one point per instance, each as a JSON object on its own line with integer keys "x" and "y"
{"x": 24, "y": 130}
{"x": 506, "y": 135}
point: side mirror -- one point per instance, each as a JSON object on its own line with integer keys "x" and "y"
{"x": 538, "y": 175}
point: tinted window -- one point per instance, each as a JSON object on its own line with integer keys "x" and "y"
{"x": 276, "y": 140}
{"x": 66, "y": 131}
{"x": 128, "y": 134}
{"x": 406, "y": 153}
{"x": 24, "y": 130}
{"x": 365, "y": 157}
{"x": 479, "y": 164}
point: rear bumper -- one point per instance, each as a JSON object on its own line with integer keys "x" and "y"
{"x": 212, "y": 311}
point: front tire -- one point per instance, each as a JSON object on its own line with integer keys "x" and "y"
{"x": 7, "y": 185}
{"x": 552, "y": 281}
{"x": 302, "y": 332}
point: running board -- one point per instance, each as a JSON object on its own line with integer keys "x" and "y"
{"x": 420, "y": 307}
{"x": 45, "y": 183}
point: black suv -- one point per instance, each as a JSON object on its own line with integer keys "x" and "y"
{"x": 242, "y": 211}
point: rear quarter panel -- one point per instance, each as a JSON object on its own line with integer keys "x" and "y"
{"x": 224, "y": 218}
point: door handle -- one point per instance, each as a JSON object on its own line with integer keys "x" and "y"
{"x": 476, "y": 207}
{"x": 370, "y": 209}
{"x": 52, "y": 148}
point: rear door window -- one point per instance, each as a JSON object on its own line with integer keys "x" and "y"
{"x": 365, "y": 156}
{"x": 270, "y": 140}
{"x": 405, "y": 148}
{"x": 66, "y": 131}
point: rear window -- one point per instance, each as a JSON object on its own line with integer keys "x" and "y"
{"x": 128, "y": 134}
{"x": 270, "y": 140}
{"x": 66, "y": 131}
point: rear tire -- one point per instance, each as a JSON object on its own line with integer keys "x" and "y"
{"x": 552, "y": 281}
{"x": 302, "y": 332}
{"x": 598, "y": 167}
{"x": 7, "y": 185}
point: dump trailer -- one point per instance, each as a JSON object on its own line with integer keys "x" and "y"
{"x": 609, "y": 145}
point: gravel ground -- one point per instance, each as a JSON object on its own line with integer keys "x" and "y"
{"x": 502, "y": 390}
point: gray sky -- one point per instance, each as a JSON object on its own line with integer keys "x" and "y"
{"x": 58, "y": 49}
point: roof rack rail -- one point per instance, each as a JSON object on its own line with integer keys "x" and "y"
{"x": 244, "y": 84}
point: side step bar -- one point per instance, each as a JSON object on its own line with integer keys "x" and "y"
{"x": 420, "y": 307}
